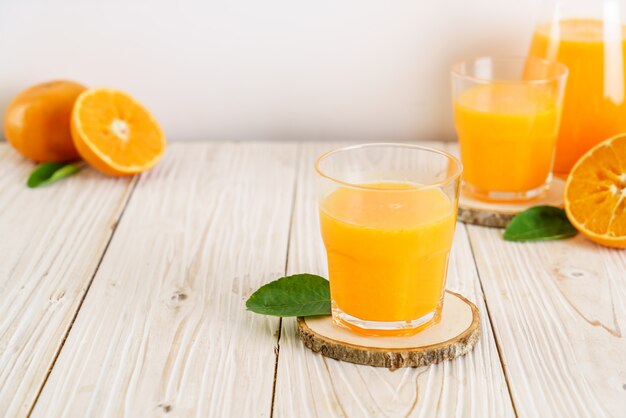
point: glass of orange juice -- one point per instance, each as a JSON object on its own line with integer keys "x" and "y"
{"x": 387, "y": 215}
{"x": 589, "y": 37}
{"x": 506, "y": 113}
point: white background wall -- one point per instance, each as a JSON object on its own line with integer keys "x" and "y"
{"x": 265, "y": 69}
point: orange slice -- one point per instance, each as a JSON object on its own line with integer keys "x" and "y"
{"x": 114, "y": 133}
{"x": 595, "y": 193}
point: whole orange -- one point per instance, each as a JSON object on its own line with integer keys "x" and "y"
{"x": 37, "y": 121}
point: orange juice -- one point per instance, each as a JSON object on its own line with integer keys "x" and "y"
{"x": 387, "y": 250}
{"x": 507, "y": 134}
{"x": 594, "y": 108}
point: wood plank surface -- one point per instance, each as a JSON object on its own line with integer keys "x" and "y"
{"x": 163, "y": 330}
{"x": 309, "y": 385}
{"x": 51, "y": 241}
{"x": 559, "y": 312}
{"x": 559, "y": 315}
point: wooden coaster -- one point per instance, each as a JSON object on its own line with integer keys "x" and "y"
{"x": 498, "y": 215}
{"x": 455, "y": 335}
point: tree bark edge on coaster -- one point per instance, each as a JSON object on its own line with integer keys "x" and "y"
{"x": 335, "y": 346}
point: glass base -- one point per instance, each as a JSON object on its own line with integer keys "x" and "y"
{"x": 380, "y": 328}
{"x": 497, "y": 196}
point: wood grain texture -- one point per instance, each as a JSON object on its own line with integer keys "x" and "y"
{"x": 310, "y": 385}
{"x": 559, "y": 312}
{"x": 51, "y": 240}
{"x": 164, "y": 330}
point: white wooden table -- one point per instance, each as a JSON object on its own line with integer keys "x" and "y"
{"x": 125, "y": 297}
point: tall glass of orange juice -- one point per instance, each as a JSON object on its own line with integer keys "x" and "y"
{"x": 589, "y": 37}
{"x": 506, "y": 113}
{"x": 387, "y": 215}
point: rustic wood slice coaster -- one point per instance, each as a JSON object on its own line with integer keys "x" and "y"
{"x": 498, "y": 215}
{"x": 455, "y": 335}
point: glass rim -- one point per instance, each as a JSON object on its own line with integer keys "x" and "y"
{"x": 562, "y": 70}
{"x": 449, "y": 178}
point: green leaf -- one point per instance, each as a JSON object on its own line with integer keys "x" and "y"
{"x": 47, "y": 173}
{"x": 539, "y": 223}
{"x": 298, "y": 295}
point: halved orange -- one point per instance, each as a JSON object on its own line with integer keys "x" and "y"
{"x": 595, "y": 193}
{"x": 114, "y": 133}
